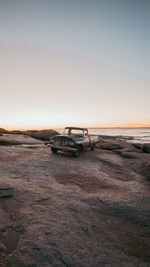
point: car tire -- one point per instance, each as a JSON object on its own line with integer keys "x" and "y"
{"x": 54, "y": 150}
{"x": 92, "y": 147}
{"x": 77, "y": 152}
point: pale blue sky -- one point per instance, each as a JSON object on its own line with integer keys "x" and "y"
{"x": 74, "y": 62}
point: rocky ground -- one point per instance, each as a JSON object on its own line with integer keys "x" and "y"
{"x": 57, "y": 210}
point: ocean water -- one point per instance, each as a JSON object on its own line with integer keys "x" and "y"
{"x": 139, "y": 135}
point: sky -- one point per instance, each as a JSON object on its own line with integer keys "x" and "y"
{"x": 74, "y": 63}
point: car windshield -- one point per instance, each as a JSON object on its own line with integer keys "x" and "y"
{"x": 74, "y": 132}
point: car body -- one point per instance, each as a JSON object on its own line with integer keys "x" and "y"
{"x": 74, "y": 139}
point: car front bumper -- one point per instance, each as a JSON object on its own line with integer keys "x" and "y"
{"x": 63, "y": 148}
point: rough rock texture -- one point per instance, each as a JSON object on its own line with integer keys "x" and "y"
{"x": 121, "y": 147}
{"x": 17, "y": 139}
{"x": 110, "y": 146}
{"x": 16, "y": 135}
{"x": 145, "y": 168}
{"x": 42, "y": 134}
{"x": 113, "y": 143}
{"x": 5, "y": 190}
{"x": 64, "y": 211}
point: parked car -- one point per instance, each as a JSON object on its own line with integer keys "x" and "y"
{"x": 74, "y": 140}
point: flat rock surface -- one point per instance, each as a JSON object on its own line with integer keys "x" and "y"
{"x": 88, "y": 211}
{"x": 20, "y": 139}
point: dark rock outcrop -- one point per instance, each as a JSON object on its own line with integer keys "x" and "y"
{"x": 110, "y": 146}
{"x": 121, "y": 147}
{"x": 113, "y": 144}
{"x": 42, "y": 134}
{"x": 37, "y": 134}
{"x": 146, "y": 148}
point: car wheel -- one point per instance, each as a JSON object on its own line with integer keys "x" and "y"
{"x": 92, "y": 147}
{"x": 54, "y": 150}
{"x": 77, "y": 152}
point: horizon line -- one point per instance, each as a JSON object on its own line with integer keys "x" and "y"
{"x": 126, "y": 126}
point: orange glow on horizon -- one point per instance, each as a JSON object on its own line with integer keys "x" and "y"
{"x": 104, "y": 126}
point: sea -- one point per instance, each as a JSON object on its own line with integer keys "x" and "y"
{"x": 133, "y": 135}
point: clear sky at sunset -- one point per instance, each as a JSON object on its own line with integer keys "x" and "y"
{"x": 74, "y": 62}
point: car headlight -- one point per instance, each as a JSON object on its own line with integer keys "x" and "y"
{"x": 71, "y": 143}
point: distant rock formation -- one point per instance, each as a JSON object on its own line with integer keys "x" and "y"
{"x": 9, "y": 138}
{"x": 2, "y": 130}
{"x": 42, "y": 134}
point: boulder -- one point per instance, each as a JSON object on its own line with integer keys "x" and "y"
{"x": 42, "y": 134}
{"x": 146, "y": 147}
{"x": 110, "y": 146}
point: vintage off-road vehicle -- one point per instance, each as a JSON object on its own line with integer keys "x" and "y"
{"x": 73, "y": 140}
